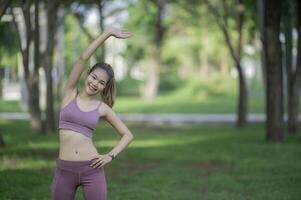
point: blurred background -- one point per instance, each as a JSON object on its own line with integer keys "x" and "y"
{"x": 210, "y": 89}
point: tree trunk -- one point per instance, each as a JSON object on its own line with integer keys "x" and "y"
{"x": 2, "y": 142}
{"x": 153, "y": 71}
{"x": 59, "y": 61}
{"x": 293, "y": 127}
{"x": 152, "y": 84}
{"x": 235, "y": 51}
{"x": 260, "y": 17}
{"x": 242, "y": 99}
{"x": 33, "y": 103}
{"x": 31, "y": 76}
{"x": 291, "y": 84}
{"x": 52, "y": 8}
{"x": 3, "y": 6}
{"x": 274, "y": 89}
{"x": 101, "y": 25}
{"x": 1, "y": 80}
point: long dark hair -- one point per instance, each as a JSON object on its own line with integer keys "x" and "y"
{"x": 109, "y": 92}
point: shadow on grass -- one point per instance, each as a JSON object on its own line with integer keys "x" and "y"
{"x": 187, "y": 162}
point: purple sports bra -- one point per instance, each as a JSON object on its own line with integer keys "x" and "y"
{"x": 72, "y": 118}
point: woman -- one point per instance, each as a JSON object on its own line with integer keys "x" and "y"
{"x": 79, "y": 163}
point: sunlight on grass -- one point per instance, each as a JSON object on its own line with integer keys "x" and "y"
{"x": 152, "y": 142}
{"x": 163, "y": 142}
{"x": 19, "y": 163}
{"x": 51, "y": 145}
{"x": 43, "y": 145}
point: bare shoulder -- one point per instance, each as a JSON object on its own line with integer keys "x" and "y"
{"x": 104, "y": 109}
{"x": 69, "y": 94}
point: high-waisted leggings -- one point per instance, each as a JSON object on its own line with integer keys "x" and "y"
{"x": 69, "y": 175}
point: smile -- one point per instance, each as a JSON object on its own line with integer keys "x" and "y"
{"x": 92, "y": 88}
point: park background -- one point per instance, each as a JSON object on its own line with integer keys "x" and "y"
{"x": 213, "y": 59}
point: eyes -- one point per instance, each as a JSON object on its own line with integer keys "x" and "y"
{"x": 94, "y": 77}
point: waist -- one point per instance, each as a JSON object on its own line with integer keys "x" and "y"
{"x": 75, "y": 146}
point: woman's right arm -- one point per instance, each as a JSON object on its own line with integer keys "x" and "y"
{"x": 79, "y": 65}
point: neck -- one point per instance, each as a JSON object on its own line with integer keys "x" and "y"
{"x": 84, "y": 95}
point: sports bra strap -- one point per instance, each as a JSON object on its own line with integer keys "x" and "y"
{"x": 99, "y": 105}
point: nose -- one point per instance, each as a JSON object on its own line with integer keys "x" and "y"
{"x": 94, "y": 82}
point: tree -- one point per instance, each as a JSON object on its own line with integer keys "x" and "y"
{"x": 153, "y": 78}
{"x": 222, "y": 16}
{"x": 273, "y": 60}
{"x": 52, "y": 13}
{"x": 298, "y": 49}
{"x": 3, "y": 6}
{"x": 80, "y": 11}
{"x": 25, "y": 39}
{"x": 293, "y": 73}
{"x": 151, "y": 29}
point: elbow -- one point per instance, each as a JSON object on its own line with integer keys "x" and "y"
{"x": 131, "y": 137}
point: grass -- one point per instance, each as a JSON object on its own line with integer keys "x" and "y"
{"x": 9, "y": 106}
{"x": 171, "y": 162}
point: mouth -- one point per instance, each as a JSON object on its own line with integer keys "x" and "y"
{"x": 93, "y": 89}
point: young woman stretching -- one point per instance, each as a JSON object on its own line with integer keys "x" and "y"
{"x": 79, "y": 163}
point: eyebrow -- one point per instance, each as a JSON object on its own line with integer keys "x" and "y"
{"x": 97, "y": 77}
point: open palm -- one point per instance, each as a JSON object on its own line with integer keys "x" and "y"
{"x": 121, "y": 34}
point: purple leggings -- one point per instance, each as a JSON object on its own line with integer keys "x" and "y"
{"x": 71, "y": 174}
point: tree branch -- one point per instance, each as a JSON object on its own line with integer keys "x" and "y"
{"x": 223, "y": 27}
{"x": 3, "y": 6}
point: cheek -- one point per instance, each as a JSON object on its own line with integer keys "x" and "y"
{"x": 88, "y": 80}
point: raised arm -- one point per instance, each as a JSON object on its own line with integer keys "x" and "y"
{"x": 79, "y": 65}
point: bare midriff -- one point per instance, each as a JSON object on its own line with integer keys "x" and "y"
{"x": 75, "y": 146}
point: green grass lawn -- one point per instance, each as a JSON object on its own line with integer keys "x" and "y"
{"x": 171, "y": 162}
{"x": 9, "y": 106}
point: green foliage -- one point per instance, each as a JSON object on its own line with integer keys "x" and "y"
{"x": 250, "y": 19}
{"x": 9, "y": 106}
{"x": 142, "y": 26}
{"x": 75, "y": 42}
{"x": 128, "y": 87}
{"x": 169, "y": 82}
{"x": 8, "y": 45}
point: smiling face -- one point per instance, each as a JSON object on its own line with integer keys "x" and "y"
{"x": 96, "y": 81}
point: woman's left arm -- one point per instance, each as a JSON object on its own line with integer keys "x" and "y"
{"x": 123, "y": 131}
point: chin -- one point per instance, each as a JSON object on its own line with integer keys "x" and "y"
{"x": 89, "y": 92}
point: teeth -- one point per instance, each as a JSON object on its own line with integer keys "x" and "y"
{"x": 92, "y": 88}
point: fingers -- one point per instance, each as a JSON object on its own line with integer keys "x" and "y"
{"x": 122, "y": 34}
{"x": 126, "y": 34}
{"x": 98, "y": 163}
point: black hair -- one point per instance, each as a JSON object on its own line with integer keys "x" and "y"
{"x": 109, "y": 92}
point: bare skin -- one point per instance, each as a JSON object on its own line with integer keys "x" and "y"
{"x": 76, "y": 146}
